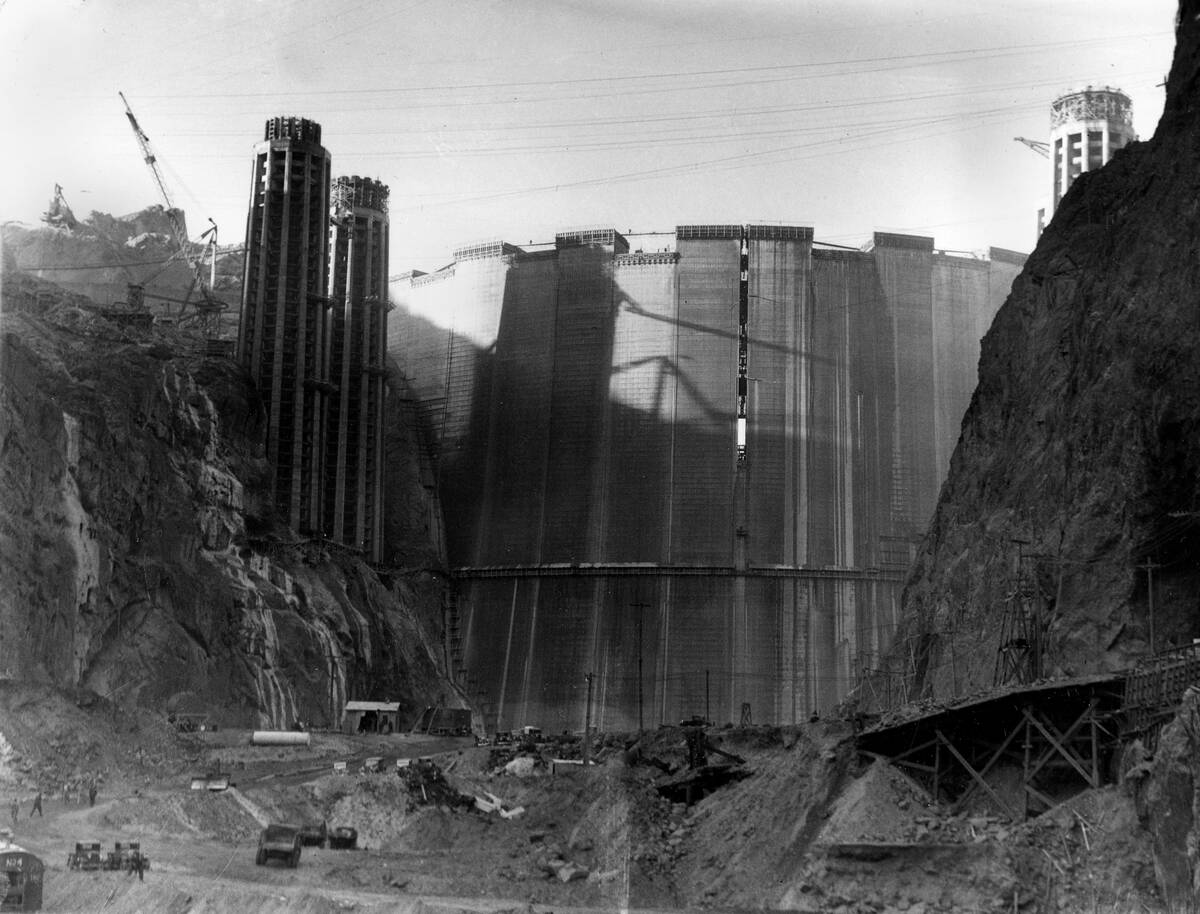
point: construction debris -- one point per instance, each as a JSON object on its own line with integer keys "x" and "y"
{"x": 427, "y": 785}
{"x": 494, "y": 804}
{"x": 695, "y": 784}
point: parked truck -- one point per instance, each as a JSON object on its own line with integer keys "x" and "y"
{"x": 281, "y": 842}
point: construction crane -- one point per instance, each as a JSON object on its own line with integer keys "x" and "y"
{"x": 148, "y": 156}
{"x": 206, "y": 312}
{"x": 59, "y": 213}
{"x": 1042, "y": 149}
{"x": 211, "y": 234}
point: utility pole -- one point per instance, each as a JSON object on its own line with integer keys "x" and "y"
{"x": 587, "y": 724}
{"x": 707, "y": 715}
{"x": 641, "y": 609}
{"x": 333, "y": 710}
{"x": 1149, "y": 568}
{"x": 1032, "y": 667}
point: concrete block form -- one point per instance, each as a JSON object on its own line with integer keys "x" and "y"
{"x": 707, "y": 464}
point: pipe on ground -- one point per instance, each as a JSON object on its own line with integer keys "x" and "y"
{"x": 279, "y": 738}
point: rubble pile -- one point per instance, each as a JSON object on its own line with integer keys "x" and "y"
{"x": 427, "y": 786}
{"x": 661, "y": 828}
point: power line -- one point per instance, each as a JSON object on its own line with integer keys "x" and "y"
{"x": 722, "y": 113}
{"x": 672, "y": 170}
{"x": 922, "y": 59}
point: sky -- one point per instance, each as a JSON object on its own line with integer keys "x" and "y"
{"x": 517, "y": 119}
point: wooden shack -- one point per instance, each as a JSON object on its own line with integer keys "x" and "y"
{"x": 371, "y": 717}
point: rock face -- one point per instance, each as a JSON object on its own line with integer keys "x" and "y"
{"x": 139, "y": 557}
{"x": 1079, "y": 459}
{"x": 1170, "y": 803}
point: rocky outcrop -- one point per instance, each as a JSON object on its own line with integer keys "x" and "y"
{"x": 1169, "y": 806}
{"x": 140, "y": 558}
{"x": 1079, "y": 459}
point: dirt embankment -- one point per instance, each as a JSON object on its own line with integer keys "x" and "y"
{"x": 809, "y": 827}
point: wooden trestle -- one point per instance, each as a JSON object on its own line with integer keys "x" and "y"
{"x": 1154, "y": 688}
{"x": 1058, "y": 736}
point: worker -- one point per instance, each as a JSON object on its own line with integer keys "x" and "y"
{"x": 37, "y": 805}
{"x": 92, "y": 793}
{"x": 16, "y": 809}
{"x": 138, "y": 865}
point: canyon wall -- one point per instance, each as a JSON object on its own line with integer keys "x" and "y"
{"x": 1071, "y": 513}
{"x": 141, "y": 561}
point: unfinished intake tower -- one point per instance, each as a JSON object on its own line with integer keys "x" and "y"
{"x": 697, "y": 473}
{"x": 312, "y": 333}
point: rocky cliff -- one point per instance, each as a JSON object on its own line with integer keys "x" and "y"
{"x": 1079, "y": 457}
{"x": 139, "y": 557}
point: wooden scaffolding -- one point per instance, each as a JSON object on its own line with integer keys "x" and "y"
{"x": 1055, "y": 739}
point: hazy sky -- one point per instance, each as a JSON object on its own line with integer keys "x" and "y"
{"x": 515, "y": 119}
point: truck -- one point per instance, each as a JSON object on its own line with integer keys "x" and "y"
{"x": 281, "y": 842}
{"x": 314, "y": 834}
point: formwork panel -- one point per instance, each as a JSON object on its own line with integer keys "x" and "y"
{"x": 833, "y": 615}
{"x": 789, "y": 600}
{"x": 872, "y": 354}
{"x": 419, "y": 339}
{"x": 642, "y": 390}
{"x": 779, "y": 360}
{"x": 561, "y": 652}
{"x": 628, "y": 627}
{"x": 518, "y": 432}
{"x": 879, "y": 613}
{"x": 904, "y": 266}
{"x": 840, "y": 378}
{"x": 583, "y": 339}
{"x": 499, "y": 639}
{"x": 960, "y": 293}
{"x": 705, "y": 434}
{"x": 694, "y": 665}
{"x": 761, "y": 657}
{"x": 444, "y": 339}
{"x": 479, "y": 303}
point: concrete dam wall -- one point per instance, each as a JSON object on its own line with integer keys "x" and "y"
{"x": 698, "y": 474}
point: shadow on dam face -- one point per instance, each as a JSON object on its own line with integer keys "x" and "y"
{"x": 600, "y": 514}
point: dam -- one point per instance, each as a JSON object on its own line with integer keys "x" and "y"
{"x": 694, "y": 476}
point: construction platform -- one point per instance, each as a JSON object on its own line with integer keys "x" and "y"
{"x": 1020, "y": 750}
{"x": 1154, "y": 688}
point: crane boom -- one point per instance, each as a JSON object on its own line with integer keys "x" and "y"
{"x": 207, "y": 312}
{"x": 1041, "y": 148}
{"x": 148, "y": 155}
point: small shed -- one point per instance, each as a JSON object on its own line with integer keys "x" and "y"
{"x": 371, "y": 717}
